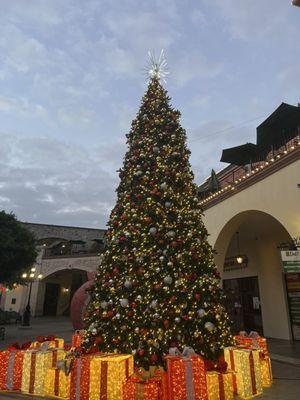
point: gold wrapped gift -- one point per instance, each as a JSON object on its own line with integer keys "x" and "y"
{"x": 57, "y": 384}
{"x": 246, "y": 364}
{"x": 35, "y": 366}
{"x": 266, "y": 371}
{"x": 96, "y": 377}
{"x": 57, "y": 343}
{"x": 219, "y": 386}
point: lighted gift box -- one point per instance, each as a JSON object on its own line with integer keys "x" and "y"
{"x": 252, "y": 342}
{"x": 36, "y": 364}
{"x": 11, "y": 362}
{"x": 186, "y": 377}
{"x": 57, "y": 384}
{"x": 246, "y": 364}
{"x": 57, "y": 343}
{"x": 100, "y": 377}
{"x": 219, "y": 385}
{"x": 266, "y": 370}
{"x": 77, "y": 339}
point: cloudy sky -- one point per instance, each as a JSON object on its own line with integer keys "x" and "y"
{"x": 71, "y": 79}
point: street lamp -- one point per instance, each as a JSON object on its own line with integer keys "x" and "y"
{"x": 239, "y": 258}
{"x": 31, "y": 277}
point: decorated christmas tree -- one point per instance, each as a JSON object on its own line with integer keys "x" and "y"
{"x": 157, "y": 286}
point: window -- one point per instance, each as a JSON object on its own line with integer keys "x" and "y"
{"x": 13, "y": 301}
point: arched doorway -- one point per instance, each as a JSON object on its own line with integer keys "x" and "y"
{"x": 57, "y": 289}
{"x": 255, "y": 288}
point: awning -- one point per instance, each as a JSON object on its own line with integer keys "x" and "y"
{"x": 240, "y": 155}
{"x": 279, "y": 127}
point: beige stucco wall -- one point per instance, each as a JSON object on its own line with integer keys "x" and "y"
{"x": 270, "y": 209}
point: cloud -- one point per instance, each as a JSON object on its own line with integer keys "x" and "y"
{"x": 46, "y": 180}
{"x": 255, "y": 19}
{"x": 21, "y": 106}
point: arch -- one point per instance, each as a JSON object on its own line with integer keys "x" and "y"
{"x": 62, "y": 268}
{"x": 230, "y": 227}
{"x": 260, "y": 237}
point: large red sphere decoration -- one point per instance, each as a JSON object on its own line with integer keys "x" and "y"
{"x": 79, "y": 302}
{"x": 296, "y": 3}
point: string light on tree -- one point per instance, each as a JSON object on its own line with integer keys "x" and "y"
{"x": 157, "y": 286}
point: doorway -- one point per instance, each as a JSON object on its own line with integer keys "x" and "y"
{"x": 51, "y": 299}
{"x": 243, "y": 304}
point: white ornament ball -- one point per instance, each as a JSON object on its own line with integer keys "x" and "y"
{"x": 136, "y": 330}
{"x": 171, "y": 233}
{"x": 168, "y": 280}
{"x": 139, "y": 173}
{"x": 124, "y": 302}
{"x": 162, "y": 258}
{"x": 94, "y": 331}
{"x": 167, "y": 204}
{"x": 133, "y": 352}
{"x": 128, "y": 284}
{"x": 153, "y": 304}
{"x": 164, "y": 186}
{"x": 170, "y": 264}
{"x": 110, "y": 302}
{"x": 153, "y": 231}
{"x": 155, "y": 149}
{"x": 118, "y": 316}
{"x": 139, "y": 297}
{"x": 110, "y": 281}
{"x": 201, "y": 312}
{"x": 157, "y": 269}
{"x": 209, "y": 326}
{"x": 177, "y": 320}
{"x": 104, "y": 304}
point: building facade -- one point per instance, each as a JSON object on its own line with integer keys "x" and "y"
{"x": 66, "y": 257}
{"x": 253, "y": 218}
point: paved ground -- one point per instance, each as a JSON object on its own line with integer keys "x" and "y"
{"x": 60, "y": 326}
{"x": 286, "y": 376}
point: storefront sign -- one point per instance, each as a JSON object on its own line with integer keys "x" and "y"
{"x": 290, "y": 261}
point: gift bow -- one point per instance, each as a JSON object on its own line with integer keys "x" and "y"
{"x": 187, "y": 351}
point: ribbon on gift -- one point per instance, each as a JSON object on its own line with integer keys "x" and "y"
{"x": 10, "y": 370}
{"x": 32, "y": 371}
{"x": 221, "y": 386}
{"x": 232, "y": 367}
{"x": 252, "y": 373}
{"x": 189, "y": 374}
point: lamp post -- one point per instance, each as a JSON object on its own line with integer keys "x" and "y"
{"x": 31, "y": 276}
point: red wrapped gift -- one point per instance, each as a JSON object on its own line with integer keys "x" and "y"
{"x": 186, "y": 376}
{"x": 252, "y": 341}
{"x": 11, "y": 362}
{"x": 77, "y": 339}
{"x": 154, "y": 388}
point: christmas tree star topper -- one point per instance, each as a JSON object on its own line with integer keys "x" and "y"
{"x": 157, "y": 68}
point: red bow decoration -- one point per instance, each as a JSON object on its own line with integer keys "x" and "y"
{"x": 14, "y": 346}
{"x": 220, "y": 365}
{"x": 26, "y": 345}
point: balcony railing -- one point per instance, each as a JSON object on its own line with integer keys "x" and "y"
{"x": 239, "y": 178}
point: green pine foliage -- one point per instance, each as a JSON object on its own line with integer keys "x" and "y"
{"x": 157, "y": 286}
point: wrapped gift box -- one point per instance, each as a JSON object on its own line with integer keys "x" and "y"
{"x": 152, "y": 389}
{"x": 219, "y": 385}
{"x": 36, "y": 363}
{"x": 246, "y": 364}
{"x": 57, "y": 343}
{"x": 11, "y": 362}
{"x": 100, "y": 377}
{"x": 266, "y": 370}
{"x": 57, "y": 384}
{"x": 256, "y": 342}
{"x": 186, "y": 377}
{"x": 77, "y": 339}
